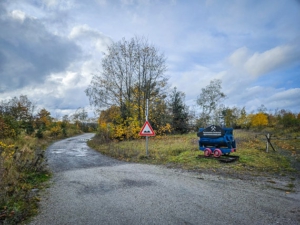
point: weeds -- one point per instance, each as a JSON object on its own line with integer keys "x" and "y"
{"x": 182, "y": 151}
{"x": 22, "y": 172}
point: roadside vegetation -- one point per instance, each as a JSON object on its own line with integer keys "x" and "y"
{"x": 181, "y": 151}
{"x": 133, "y": 73}
{"x": 24, "y": 137}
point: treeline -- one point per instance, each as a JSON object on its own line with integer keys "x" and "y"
{"x": 18, "y": 115}
{"x": 169, "y": 115}
{"x": 172, "y": 116}
{"x": 133, "y": 71}
{"x": 239, "y": 118}
{"x": 24, "y": 134}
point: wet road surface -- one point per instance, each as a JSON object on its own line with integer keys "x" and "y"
{"x": 89, "y": 188}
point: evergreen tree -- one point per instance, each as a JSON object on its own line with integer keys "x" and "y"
{"x": 179, "y": 112}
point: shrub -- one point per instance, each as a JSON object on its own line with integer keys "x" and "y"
{"x": 55, "y": 131}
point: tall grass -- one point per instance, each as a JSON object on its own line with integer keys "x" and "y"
{"x": 182, "y": 151}
{"x": 22, "y": 172}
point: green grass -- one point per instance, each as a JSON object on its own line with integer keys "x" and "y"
{"x": 182, "y": 151}
{"x": 21, "y": 201}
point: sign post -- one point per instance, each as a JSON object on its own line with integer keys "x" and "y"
{"x": 147, "y": 130}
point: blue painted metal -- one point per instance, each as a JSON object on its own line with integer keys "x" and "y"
{"x": 214, "y": 137}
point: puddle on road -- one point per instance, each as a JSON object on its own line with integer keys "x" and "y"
{"x": 57, "y": 151}
{"x": 80, "y": 152}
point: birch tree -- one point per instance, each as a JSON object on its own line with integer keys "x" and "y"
{"x": 209, "y": 99}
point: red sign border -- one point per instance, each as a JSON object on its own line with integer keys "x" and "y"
{"x": 151, "y": 134}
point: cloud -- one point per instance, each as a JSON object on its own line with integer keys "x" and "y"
{"x": 275, "y": 58}
{"x": 285, "y": 99}
{"x": 258, "y": 64}
{"x": 50, "y": 49}
{"x": 273, "y": 98}
{"x": 29, "y": 52}
{"x": 17, "y": 14}
{"x": 88, "y": 36}
{"x": 59, "y": 5}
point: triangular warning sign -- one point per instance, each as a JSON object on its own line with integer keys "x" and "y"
{"x": 147, "y": 130}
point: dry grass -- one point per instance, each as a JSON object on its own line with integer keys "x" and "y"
{"x": 182, "y": 151}
{"x": 22, "y": 176}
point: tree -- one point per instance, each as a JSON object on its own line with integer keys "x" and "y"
{"x": 230, "y": 116}
{"x": 259, "y": 120}
{"x": 18, "y": 113}
{"x": 262, "y": 109}
{"x": 80, "y": 115}
{"x": 43, "y": 119}
{"x": 80, "y": 118}
{"x": 132, "y": 71}
{"x": 209, "y": 99}
{"x": 243, "y": 120}
{"x": 179, "y": 112}
{"x": 159, "y": 116}
{"x": 21, "y": 109}
{"x": 288, "y": 119}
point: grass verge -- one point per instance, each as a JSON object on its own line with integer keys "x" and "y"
{"x": 182, "y": 150}
{"x": 24, "y": 175}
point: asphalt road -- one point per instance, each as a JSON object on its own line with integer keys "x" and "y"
{"x": 89, "y": 188}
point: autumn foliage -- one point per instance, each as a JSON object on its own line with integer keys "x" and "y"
{"x": 24, "y": 134}
{"x": 259, "y": 120}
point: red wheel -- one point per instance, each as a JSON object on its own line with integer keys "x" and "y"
{"x": 207, "y": 152}
{"x": 217, "y": 153}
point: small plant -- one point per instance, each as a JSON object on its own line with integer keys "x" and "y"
{"x": 39, "y": 133}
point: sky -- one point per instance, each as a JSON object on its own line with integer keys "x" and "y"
{"x": 50, "y": 49}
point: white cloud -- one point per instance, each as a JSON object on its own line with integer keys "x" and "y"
{"x": 273, "y": 98}
{"x": 88, "y": 36}
{"x": 258, "y": 64}
{"x": 278, "y": 57}
{"x": 19, "y": 15}
{"x": 239, "y": 57}
{"x": 49, "y": 49}
{"x": 292, "y": 94}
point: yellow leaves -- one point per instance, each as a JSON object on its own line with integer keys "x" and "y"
{"x": 119, "y": 132}
{"x": 7, "y": 151}
{"x": 163, "y": 130}
{"x": 5, "y": 129}
{"x": 44, "y": 118}
{"x": 259, "y": 120}
{"x": 129, "y": 129}
{"x": 55, "y": 131}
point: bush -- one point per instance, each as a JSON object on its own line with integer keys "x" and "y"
{"x": 39, "y": 133}
{"x": 55, "y": 131}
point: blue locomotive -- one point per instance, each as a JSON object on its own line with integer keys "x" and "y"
{"x": 217, "y": 141}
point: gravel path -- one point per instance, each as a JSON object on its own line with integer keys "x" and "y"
{"x": 89, "y": 188}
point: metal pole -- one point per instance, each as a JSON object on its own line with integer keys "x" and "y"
{"x": 147, "y": 138}
{"x": 147, "y": 145}
{"x": 147, "y": 110}
{"x": 268, "y": 137}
